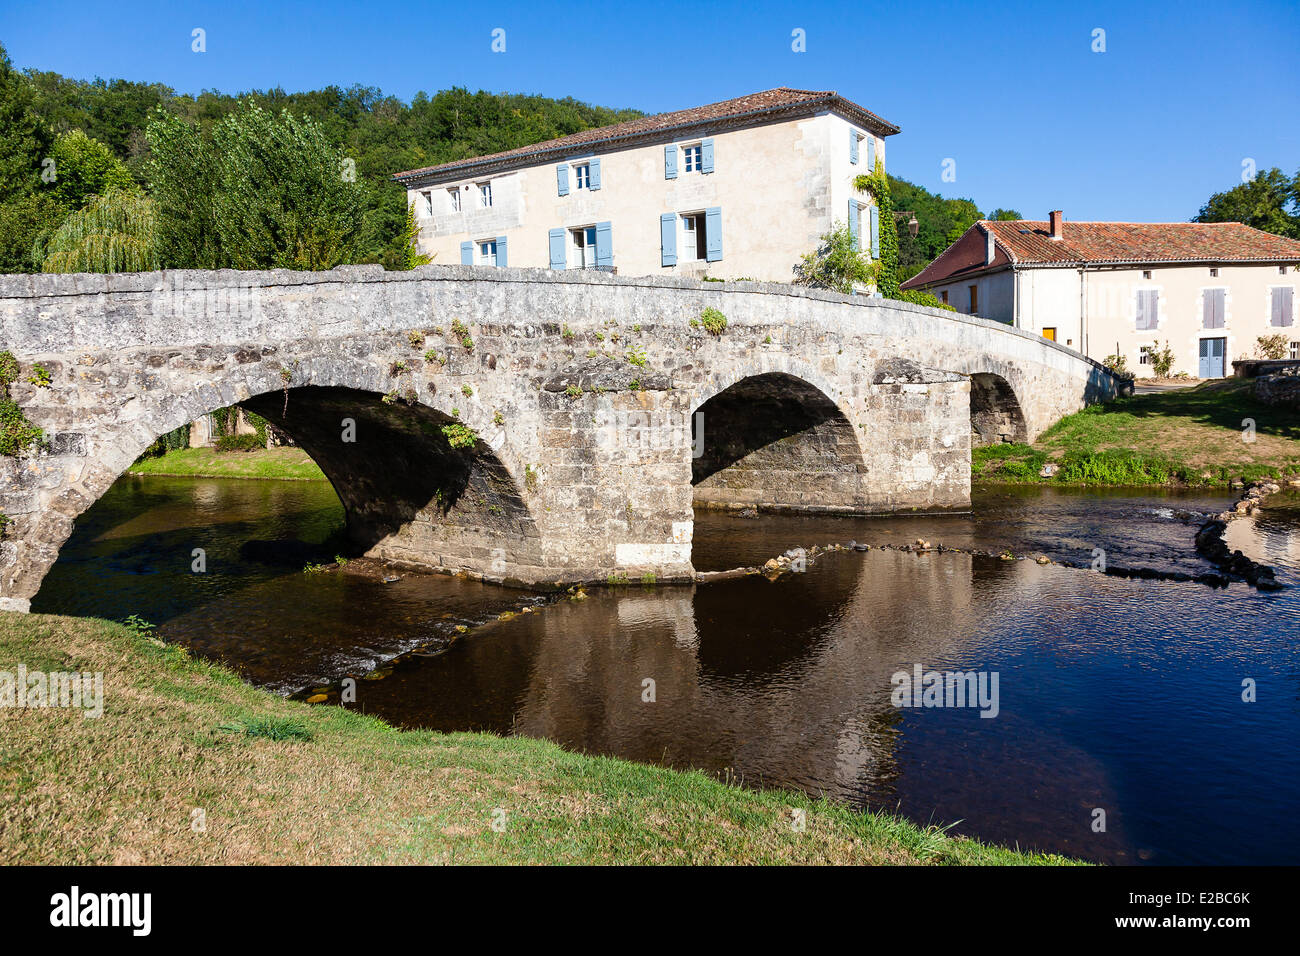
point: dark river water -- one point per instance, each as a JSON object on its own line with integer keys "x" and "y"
{"x": 1113, "y": 694}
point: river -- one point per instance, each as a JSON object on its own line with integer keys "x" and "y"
{"x": 1118, "y": 695}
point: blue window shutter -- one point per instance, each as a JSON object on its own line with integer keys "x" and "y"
{"x": 871, "y": 153}
{"x": 855, "y": 229}
{"x": 604, "y": 245}
{"x": 706, "y": 156}
{"x": 562, "y": 178}
{"x": 713, "y": 233}
{"x": 594, "y": 169}
{"x": 670, "y": 161}
{"x": 557, "y": 245}
{"x": 875, "y": 232}
{"x": 467, "y": 253}
{"x": 668, "y": 238}
{"x": 501, "y": 252}
{"x": 853, "y": 145}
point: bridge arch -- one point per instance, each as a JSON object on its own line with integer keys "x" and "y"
{"x": 774, "y": 439}
{"x": 996, "y": 415}
{"x": 419, "y": 486}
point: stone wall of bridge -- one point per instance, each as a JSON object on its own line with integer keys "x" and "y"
{"x": 578, "y": 391}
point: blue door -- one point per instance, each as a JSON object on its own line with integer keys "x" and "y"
{"x": 1212, "y": 358}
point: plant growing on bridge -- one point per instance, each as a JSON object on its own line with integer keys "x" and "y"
{"x": 573, "y": 391}
{"x": 415, "y": 338}
{"x": 461, "y": 331}
{"x": 16, "y": 432}
{"x": 714, "y": 322}
{"x": 636, "y": 356}
{"x": 459, "y": 435}
{"x": 40, "y": 376}
{"x": 467, "y": 390}
{"x": 837, "y": 264}
{"x": 4, "y": 523}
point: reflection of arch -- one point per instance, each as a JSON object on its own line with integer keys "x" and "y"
{"x": 995, "y": 412}
{"x": 775, "y": 439}
{"x": 408, "y": 493}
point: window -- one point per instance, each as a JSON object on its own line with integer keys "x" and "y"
{"x": 1146, "y": 274}
{"x": 428, "y": 203}
{"x": 487, "y": 252}
{"x": 1214, "y": 273}
{"x": 944, "y": 296}
{"x": 485, "y": 195}
{"x": 1295, "y": 350}
{"x": 693, "y": 158}
{"x": 974, "y": 299}
{"x": 1144, "y": 354}
{"x": 1282, "y": 307}
{"x": 694, "y": 243}
{"x": 1148, "y": 308}
{"x": 582, "y": 176}
{"x": 1281, "y": 270}
{"x": 1212, "y": 302}
{"x": 454, "y": 195}
{"x": 583, "y": 241}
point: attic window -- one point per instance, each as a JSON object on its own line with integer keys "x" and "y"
{"x": 1146, "y": 274}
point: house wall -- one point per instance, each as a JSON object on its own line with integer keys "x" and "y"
{"x": 779, "y": 186}
{"x": 995, "y": 293}
{"x": 1034, "y": 299}
{"x": 1111, "y": 298}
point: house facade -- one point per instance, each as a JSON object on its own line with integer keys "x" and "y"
{"x": 1209, "y": 291}
{"x": 737, "y": 189}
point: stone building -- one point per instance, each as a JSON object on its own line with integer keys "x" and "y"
{"x": 736, "y": 189}
{"x": 1209, "y": 291}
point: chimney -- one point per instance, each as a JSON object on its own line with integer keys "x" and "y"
{"x": 1057, "y": 217}
{"x": 989, "y": 248}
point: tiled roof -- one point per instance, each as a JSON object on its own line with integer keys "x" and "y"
{"x": 1029, "y": 243}
{"x": 777, "y": 102}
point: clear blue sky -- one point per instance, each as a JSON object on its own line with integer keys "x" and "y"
{"x": 1012, "y": 92}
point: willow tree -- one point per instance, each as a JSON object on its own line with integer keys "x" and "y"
{"x": 116, "y": 232}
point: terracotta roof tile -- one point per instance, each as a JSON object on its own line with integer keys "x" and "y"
{"x": 782, "y": 100}
{"x": 1029, "y": 243}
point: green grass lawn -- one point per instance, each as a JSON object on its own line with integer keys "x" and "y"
{"x": 1190, "y": 436}
{"x": 285, "y": 463}
{"x": 286, "y": 782}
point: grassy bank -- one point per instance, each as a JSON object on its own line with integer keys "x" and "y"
{"x": 1188, "y": 437}
{"x": 284, "y": 463}
{"x": 286, "y": 782}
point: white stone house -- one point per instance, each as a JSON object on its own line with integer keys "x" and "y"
{"x": 737, "y": 189}
{"x": 1208, "y": 290}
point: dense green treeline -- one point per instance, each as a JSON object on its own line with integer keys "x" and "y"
{"x": 217, "y": 174}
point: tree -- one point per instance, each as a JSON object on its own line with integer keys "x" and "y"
{"x": 1261, "y": 203}
{"x": 83, "y": 168}
{"x": 117, "y": 232}
{"x": 836, "y": 264}
{"x": 262, "y": 192}
{"x": 1005, "y": 215}
{"x": 404, "y": 254}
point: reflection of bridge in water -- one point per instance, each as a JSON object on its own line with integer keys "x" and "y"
{"x": 787, "y": 684}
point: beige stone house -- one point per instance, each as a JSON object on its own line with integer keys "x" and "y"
{"x": 1209, "y": 290}
{"x": 736, "y": 189}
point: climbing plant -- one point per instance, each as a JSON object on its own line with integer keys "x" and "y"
{"x": 876, "y": 184}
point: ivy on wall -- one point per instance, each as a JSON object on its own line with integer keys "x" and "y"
{"x": 876, "y": 184}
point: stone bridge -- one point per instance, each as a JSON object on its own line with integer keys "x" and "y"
{"x": 524, "y": 426}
